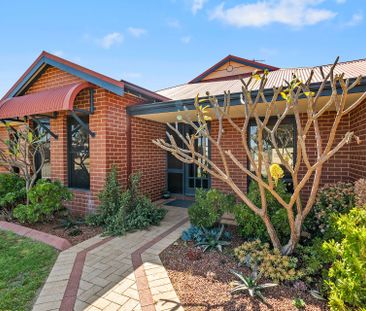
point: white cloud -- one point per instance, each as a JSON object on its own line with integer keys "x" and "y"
{"x": 197, "y": 5}
{"x": 261, "y": 13}
{"x": 355, "y": 20}
{"x": 185, "y": 39}
{"x": 174, "y": 23}
{"x": 136, "y": 32}
{"x": 110, "y": 39}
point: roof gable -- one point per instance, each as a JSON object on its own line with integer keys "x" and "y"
{"x": 47, "y": 59}
{"x": 231, "y": 67}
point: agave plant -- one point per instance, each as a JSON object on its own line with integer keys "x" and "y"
{"x": 250, "y": 284}
{"x": 212, "y": 240}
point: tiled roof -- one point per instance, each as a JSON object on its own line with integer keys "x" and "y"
{"x": 351, "y": 69}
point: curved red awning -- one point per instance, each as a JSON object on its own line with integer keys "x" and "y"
{"x": 52, "y": 100}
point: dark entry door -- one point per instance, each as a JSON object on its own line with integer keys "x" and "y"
{"x": 184, "y": 178}
{"x": 195, "y": 177}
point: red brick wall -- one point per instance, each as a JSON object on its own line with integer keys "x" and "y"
{"x": 358, "y": 152}
{"x": 147, "y": 158}
{"x": 3, "y": 135}
{"x": 51, "y": 78}
{"x": 336, "y": 168}
{"x": 231, "y": 140}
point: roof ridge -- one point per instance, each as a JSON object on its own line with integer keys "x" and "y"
{"x": 330, "y": 64}
{"x": 170, "y": 87}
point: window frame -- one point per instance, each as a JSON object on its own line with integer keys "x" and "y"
{"x": 45, "y": 122}
{"x": 290, "y": 119}
{"x": 70, "y": 174}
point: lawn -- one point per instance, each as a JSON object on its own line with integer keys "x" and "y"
{"x": 24, "y": 266}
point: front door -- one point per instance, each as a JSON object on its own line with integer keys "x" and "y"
{"x": 185, "y": 178}
{"x": 195, "y": 177}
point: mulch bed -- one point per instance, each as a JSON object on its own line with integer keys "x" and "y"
{"x": 203, "y": 283}
{"x": 87, "y": 232}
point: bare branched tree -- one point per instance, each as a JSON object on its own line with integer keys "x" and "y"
{"x": 20, "y": 149}
{"x": 296, "y": 94}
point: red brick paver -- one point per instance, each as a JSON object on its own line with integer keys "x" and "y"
{"x": 70, "y": 295}
{"x": 121, "y": 273}
{"x": 146, "y": 298}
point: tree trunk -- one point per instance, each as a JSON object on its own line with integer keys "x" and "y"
{"x": 294, "y": 239}
{"x": 271, "y": 232}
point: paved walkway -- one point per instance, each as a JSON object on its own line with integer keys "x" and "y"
{"x": 122, "y": 273}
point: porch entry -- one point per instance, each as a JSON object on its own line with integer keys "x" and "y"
{"x": 184, "y": 178}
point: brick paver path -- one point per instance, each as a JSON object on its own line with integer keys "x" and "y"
{"x": 122, "y": 273}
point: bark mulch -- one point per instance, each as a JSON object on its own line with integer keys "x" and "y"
{"x": 53, "y": 228}
{"x": 202, "y": 282}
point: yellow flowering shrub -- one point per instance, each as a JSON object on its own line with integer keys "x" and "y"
{"x": 271, "y": 263}
{"x": 276, "y": 172}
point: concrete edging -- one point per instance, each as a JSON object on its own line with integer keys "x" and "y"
{"x": 60, "y": 244}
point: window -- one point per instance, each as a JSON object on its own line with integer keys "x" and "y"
{"x": 286, "y": 141}
{"x": 78, "y": 154}
{"x": 45, "y": 172}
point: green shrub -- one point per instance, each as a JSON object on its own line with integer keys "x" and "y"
{"x": 251, "y": 226}
{"x": 209, "y": 206}
{"x": 143, "y": 215}
{"x": 271, "y": 264}
{"x": 313, "y": 262}
{"x": 46, "y": 198}
{"x": 332, "y": 199}
{"x": 12, "y": 190}
{"x": 347, "y": 281}
{"x": 110, "y": 200}
{"x": 120, "y": 212}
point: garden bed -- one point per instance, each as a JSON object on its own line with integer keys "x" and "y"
{"x": 204, "y": 284}
{"x": 53, "y": 228}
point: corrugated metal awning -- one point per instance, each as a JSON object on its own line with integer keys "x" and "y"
{"x": 52, "y": 100}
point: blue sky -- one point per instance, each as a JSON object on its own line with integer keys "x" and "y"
{"x": 160, "y": 43}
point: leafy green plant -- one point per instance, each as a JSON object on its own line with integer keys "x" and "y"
{"x": 298, "y": 303}
{"x": 332, "y": 199}
{"x": 251, "y": 226}
{"x": 12, "y": 191}
{"x": 271, "y": 263}
{"x": 346, "y": 278}
{"x": 46, "y": 198}
{"x": 250, "y": 284}
{"x": 110, "y": 197}
{"x": 120, "y": 212}
{"x": 213, "y": 240}
{"x": 313, "y": 262}
{"x": 143, "y": 215}
{"x": 71, "y": 226}
{"x": 209, "y": 206}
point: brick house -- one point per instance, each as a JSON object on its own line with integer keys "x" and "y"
{"x": 94, "y": 122}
